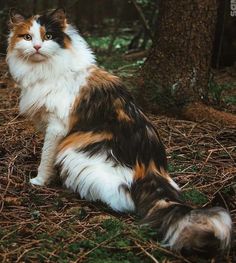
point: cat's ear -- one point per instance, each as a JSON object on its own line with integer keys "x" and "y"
{"x": 15, "y": 17}
{"x": 59, "y": 15}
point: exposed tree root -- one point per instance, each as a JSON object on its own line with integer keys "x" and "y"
{"x": 200, "y": 112}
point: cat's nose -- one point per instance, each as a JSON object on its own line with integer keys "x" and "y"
{"x": 37, "y": 47}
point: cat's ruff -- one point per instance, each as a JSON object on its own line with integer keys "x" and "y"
{"x": 101, "y": 142}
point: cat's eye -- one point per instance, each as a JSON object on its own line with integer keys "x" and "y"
{"x": 27, "y": 37}
{"x": 48, "y": 36}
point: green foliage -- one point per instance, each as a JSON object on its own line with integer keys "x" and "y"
{"x": 230, "y": 190}
{"x": 230, "y": 100}
{"x": 102, "y": 43}
{"x": 36, "y": 214}
{"x": 194, "y": 196}
{"x": 82, "y": 213}
{"x": 216, "y": 92}
{"x": 144, "y": 2}
{"x": 117, "y": 239}
{"x": 112, "y": 225}
{"x": 145, "y": 232}
{"x": 173, "y": 168}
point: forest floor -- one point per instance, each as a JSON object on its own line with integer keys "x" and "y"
{"x": 49, "y": 224}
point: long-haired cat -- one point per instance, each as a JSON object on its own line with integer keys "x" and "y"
{"x": 102, "y": 143}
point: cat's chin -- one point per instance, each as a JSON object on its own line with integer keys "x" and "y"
{"x": 37, "y": 57}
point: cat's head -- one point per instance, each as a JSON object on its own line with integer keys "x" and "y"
{"x": 39, "y": 37}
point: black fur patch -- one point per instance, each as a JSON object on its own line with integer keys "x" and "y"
{"x": 53, "y": 27}
{"x": 150, "y": 189}
{"x": 132, "y": 140}
{"x": 209, "y": 246}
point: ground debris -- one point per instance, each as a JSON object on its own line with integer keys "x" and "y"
{"x": 52, "y": 225}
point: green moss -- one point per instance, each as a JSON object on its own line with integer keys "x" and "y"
{"x": 231, "y": 100}
{"x": 174, "y": 168}
{"x": 102, "y": 43}
{"x": 194, "y": 196}
{"x": 123, "y": 243}
{"x": 74, "y": 247}
{"x": 216, "y": 92}
{"x": 144, "y": 232}
{"x": 112, "y": 225}
{"x": 87, "y": 244}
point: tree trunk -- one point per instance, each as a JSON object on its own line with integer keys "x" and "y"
{"x": 176, "y": 73}
{"x": 178, "y": 67}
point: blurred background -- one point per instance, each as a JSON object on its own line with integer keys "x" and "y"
{"x": 123, "y": 26}
{"x": 151, "y": 40}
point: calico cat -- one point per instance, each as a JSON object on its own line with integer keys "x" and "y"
{"x": 104, "y": 146}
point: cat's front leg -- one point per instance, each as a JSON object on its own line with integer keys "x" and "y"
{"x": 46, "y": 170}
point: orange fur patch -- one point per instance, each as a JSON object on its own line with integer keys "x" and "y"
{"x": 18, "y": 30}
{"x": 83, "y": 139}
{"x": 121, "y": 115}
{"x": 67, "y": 42}
{"x": 141, "y": 170}
{"x": 42, "y": 31}
{"x": 159, "y": 171}
{"x": 99, "y": 77}
{"x": 65, "y": 24}
{"x": 160, "y": 204}
{"x": 152, "y": 168}
{"x": 74, "y": 118}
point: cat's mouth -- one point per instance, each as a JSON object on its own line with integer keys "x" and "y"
{"x": 37, "y": 56}
{"x": 37, "y": 53}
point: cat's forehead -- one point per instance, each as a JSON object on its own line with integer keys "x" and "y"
{"x": 49, "y": 22}
{"x": 37, "y": 30}
{"x": 27, "y": 26}
{"x": 23, "y": 26}
{"x": 39, "y": 23}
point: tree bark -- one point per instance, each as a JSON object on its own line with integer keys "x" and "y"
{"x": 177, "y": 69}
{"x": 176, "y": 74}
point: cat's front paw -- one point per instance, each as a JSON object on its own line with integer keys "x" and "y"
{"x": 37, "y": 181}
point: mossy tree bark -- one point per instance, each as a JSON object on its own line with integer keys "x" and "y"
{"x": 177, "y": 71}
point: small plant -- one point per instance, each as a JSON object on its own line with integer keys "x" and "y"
{"x": 103, "y": 43}
{"x": 216, "y": 92}
{"x": 194, "y": 196}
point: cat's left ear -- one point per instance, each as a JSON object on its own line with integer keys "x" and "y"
{"x": 15, "y": 17}
{"x": 59, "y": 15}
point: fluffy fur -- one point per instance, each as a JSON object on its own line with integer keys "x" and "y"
{"x": 103, "y": 145}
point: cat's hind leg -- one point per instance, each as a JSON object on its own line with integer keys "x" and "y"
{"x": 97, "y": 178}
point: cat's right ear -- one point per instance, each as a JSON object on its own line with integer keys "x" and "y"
{"x": 15, "y": 17}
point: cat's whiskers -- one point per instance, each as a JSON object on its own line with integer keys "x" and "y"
{"x": 24, "y": 56}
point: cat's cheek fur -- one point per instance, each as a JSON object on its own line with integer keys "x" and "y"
{"x": 24, "y": 47}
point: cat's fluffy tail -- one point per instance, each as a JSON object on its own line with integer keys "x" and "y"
{"x": 205, "y": 231}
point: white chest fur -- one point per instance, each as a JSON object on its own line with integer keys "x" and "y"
{"x": 56, "y": 96}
